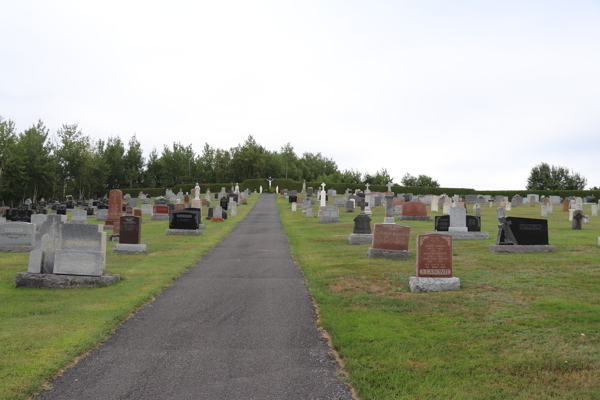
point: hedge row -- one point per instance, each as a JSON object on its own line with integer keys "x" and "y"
{"x": 255, "y": 184}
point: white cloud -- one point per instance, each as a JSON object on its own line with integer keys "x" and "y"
{"x": 472, "y": 94}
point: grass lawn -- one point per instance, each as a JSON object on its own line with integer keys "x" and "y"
{"x": 43, "y": 330}
{"x": 522, "y": 326}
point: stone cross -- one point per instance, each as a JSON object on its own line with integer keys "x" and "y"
{"x": 367, "y": 185}
{"x": 389, "y": 185}
{"x": 362, "y": 204}
{"x": 323, "y": 186}
{"x": 505, "y": 226}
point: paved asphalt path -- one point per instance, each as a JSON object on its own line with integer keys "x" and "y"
{"x": 240, "y": 325}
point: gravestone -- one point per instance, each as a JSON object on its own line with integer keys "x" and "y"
{"x": 218, "y": 214}
{"x": 594, "y": 210}
{"x": 82, "y": 250}
{"x": 102, "y": 214}
{"x": 434, "y": 265}
{"x": 41, "y": 258}
{"x": 577, "y": 220}
{"x": 160, "y": 213}
{"x": 79, "y": 217}
{"x": 114, "y": 209}
{"x": 435, "y": 202}
{"x": 522, "y": 235}
{"x": 441, "y": 223}
{"x": 474, "y": 224}
{"x": 131, "y": 232}
{"x": 390, "y": 241}
{"x": 38, "y": 220}
{"x": 146, "y": 209}
{"x": 414, "y": 211}
{"x": 361, "y": 233}
{"x": 458, "y": 220}
{"x": 17, "y": 237}
{"x": 329, "y": 214}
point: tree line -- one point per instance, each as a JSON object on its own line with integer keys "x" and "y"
{"x": 35, "y": 163}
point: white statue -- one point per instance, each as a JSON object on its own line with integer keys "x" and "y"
{"x": 197, "y": 192}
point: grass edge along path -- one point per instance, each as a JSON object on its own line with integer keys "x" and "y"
{"x": 522, "y": 326}
{"x": 43, "y": 331}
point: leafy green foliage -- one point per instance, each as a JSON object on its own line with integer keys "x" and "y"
{"x": 420, "y": 181}
{"x": 546, "y": 177}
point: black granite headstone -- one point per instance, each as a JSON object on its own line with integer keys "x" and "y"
{"x": 527, "y": 231}
{"x": 473, "y": 223}
{"x": 362, "y": 224}
{"x": 442, "y": 223}
{"x": 184, "y": 220}
{"x": 223, "y": 203}
{"x": 292, "y": 199}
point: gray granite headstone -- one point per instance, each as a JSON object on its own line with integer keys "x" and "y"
{"x": 17, "y": 234}
{"x": 458, "y": 219}
{"x": 79, "y": 217}
{"x": 82, "y": 250}
{"x": 41, "y": 258}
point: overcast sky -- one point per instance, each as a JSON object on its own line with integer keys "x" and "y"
{"x": 471, "y": 93}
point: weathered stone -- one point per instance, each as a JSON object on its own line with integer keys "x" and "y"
{"x": 193, "y": 232}
{"x": 521, "y": 248}
{"x": 360, "y": 238}
{"x": 423, "y": 285}
{"x": 125, "y": 248}
{"x": 384, "y": 253}
{"x": 82, "y": 250}
{"x": 456, "y": 235}
{"x": 17, "y": 236}
{"x": 32, "y": 280}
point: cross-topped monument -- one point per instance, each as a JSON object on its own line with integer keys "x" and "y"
{"x": 269, "y": 180}
{"x": 367, "y": 185}
{"x": 389, "y": 185}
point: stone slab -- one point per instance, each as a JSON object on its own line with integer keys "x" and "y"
{"x": 15, "y": 249}
{"x": 124, "y": 248}
{"x": 384, "y": 253}
{"x": 424, "y": 285}
{"x": 29, "y": 280}
{"x": 456, "y": 235}
{"x": 413, "y": 218}
{"x": 156, "y": 217}
{"x": 493, "y": 248}
{"x": 360, "y": 238}
{"x": 194, "y": 232}
{"x": 329, "y": 220}
{"x": 76, "y": 262}
{"x": 107, "y": 227}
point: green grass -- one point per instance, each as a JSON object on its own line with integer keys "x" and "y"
{"x": 43, "y": 330}
{"x": 523, "y": 326}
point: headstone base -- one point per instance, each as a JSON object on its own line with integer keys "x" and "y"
{"x": 424, "y": 285}
{"x": 384, "y": 253}
{"x": 194, "y": 232}
{"x": 329, "y": 220}
{"x": 15, "y": 249}
{"x": 125, "y": 248}
{"x": 360, "y": 238}
{"x": 28, "y": 280}
{"x": 494, "y": 248}
{"x": 218, "y": 220}
{"x": 160, "y": 217}
{"x": 389, "y": 220}
{"x": 413, "y": 218}
{"x": 457, "y": 235}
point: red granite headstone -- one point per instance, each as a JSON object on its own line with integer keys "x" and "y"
{"x": 129, "y": 210}
{"x": 414, "y": 208}
{"x": 114, "y": 207}
{"x": 180, "y": 207}
{"x": 186, "y": 198}
{"x": 434, "y": 256}
{"x": 566, "y": 205}
{"x": 397, "y": 201}
{"x": 390, "y": 236}
{"x": 300, "y": 200}
{"x": 204, "y": 202}
{"x": 130, "y": 230}
{"x": 160, "y": 210}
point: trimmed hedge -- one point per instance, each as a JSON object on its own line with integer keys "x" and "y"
{"x": 255, "y": 184}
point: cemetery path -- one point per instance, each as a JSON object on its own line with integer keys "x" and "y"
{"x": 240, "y": 325}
